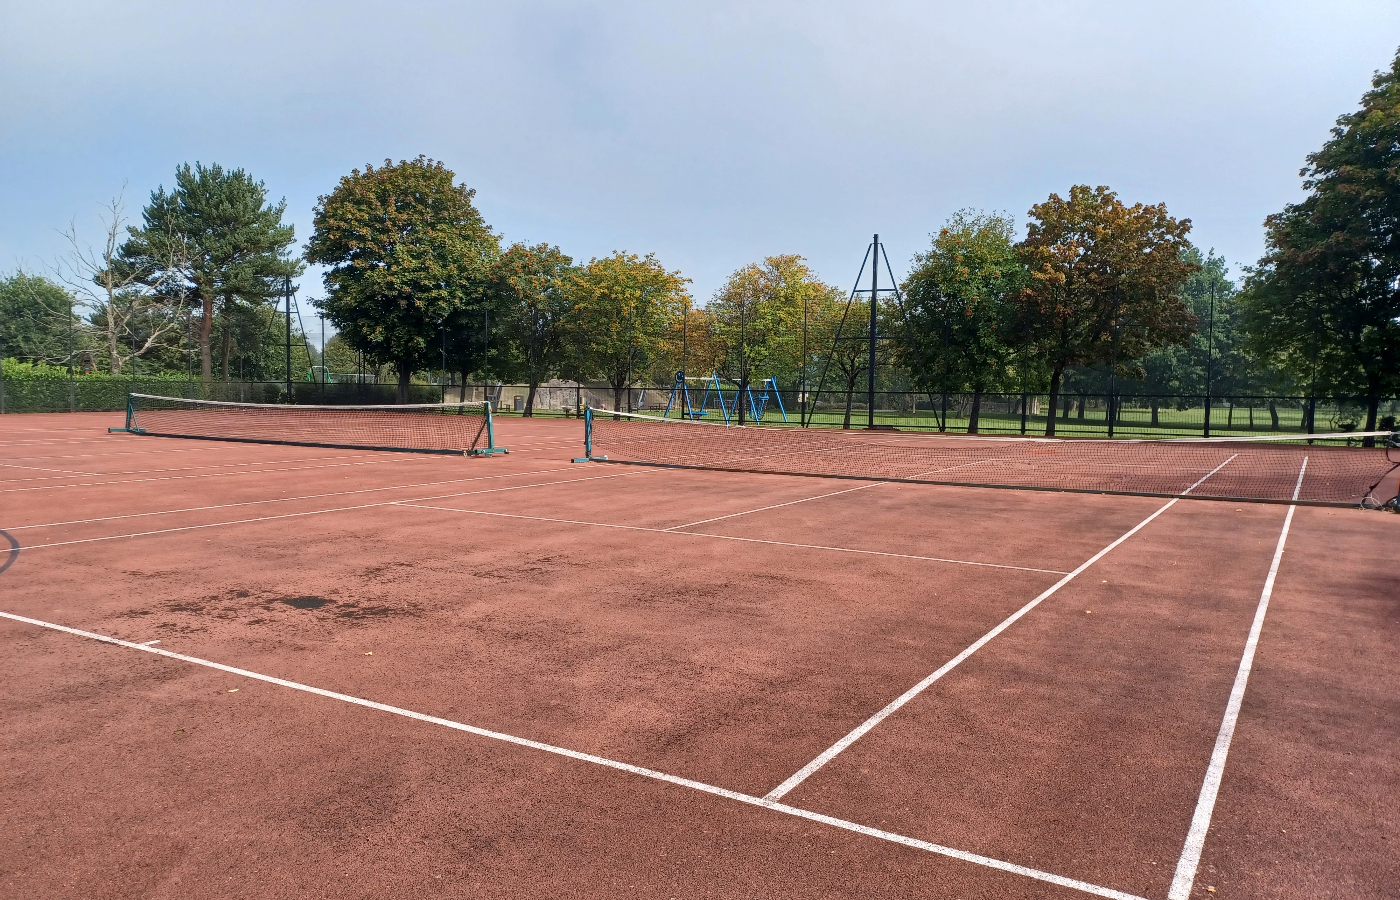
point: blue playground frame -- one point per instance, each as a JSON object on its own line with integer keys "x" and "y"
{"x": 728, "y": 409}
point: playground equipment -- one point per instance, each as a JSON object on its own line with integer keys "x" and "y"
{"x": 728, "y": 407}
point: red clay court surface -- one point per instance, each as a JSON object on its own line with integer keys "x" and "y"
{"x": 266, "y": 671}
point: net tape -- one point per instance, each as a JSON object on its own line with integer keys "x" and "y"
{"x": 1340, "y": 472}
{"x": 420, "y": 427}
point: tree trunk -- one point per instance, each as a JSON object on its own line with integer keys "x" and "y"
{"x": 976, "y": 411}
{"x": 1083, "y": 402}
{"x": 850, "y": 395}
{"x": 114, "y": 362}
{"x": 1155, "y": 407}
{"x": 462, "y": 389}
{"x": 530, "y": 399}
{"x": 1273, "y": 415}
{"x": 1055, "y": 376}
{"x": 617, "y": 397}
{"x": 1065, "y": 407}
{"x": 1373, "y": 404}
{"x": 226, "y": 345}
{"x": 206, "y": 329}
{"x": 404, "y": 375}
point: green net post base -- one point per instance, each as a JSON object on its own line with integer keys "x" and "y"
{"x": 488, "y": 451}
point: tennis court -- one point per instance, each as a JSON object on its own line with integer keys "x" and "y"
{"x": 251, "y": 670}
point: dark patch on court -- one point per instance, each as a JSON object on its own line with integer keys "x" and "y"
{"x": 305, "y": 602}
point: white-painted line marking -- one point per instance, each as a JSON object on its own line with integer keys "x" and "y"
{"x": 749, "y": 799}
{"x": 242, "y": 465}
{"x": 150, "y": 643}
{"x": 722, "y": 537}
{"x": 1190, "y": 859}
{"x": 92, "y": 484}
{"x": 392, "y": 487}
{"x": 41, "y": 469}
{"x": 863, "y": 728}
{"x": 749, "y": 512}
{"x": 295, "y": 515}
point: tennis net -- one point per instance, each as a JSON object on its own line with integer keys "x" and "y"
{"x": 1323, "y": 469}
{"x": 464, "y": 428}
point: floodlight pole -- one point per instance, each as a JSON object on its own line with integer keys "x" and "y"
{"x": 803, "y": 378}
{"x": 287, "y": 289}
{"x": 874, "y": 293}
{"x": 1210, "y": 354}
{"x": 743, "y": 361}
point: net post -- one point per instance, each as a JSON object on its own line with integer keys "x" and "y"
{"x": 490, "y": 449}
{"x": 130, "y": 427}
{"x": 587, "y": 438}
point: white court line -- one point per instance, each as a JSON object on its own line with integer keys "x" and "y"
{"x": 244, "y": 465}
{"x": 722, "y": 537}
{"x": 749, "y": 512}
{"x": 1190, "y": 859}
{"x": 863, "y": 728}
{"x": 962, "y": 855}
{"x": 295, "y": 515}
{"x": 392, "y": 487}
{"x": 89, "y": 484}
{"x": 41, "y": 469}
{"x": 819, "y": 497}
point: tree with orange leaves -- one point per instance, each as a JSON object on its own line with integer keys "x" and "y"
{"x": 1105, "y": 281}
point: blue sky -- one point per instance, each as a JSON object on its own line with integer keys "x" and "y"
{"x": 711, "y": 134}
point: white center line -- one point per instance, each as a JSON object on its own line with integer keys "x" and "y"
{"x": 863, "y": 728}
{"x": 1190, "y": 859}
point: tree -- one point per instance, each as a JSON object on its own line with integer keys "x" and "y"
{"x": 407, "y": 250}
{"x": 961, "y": 315}
{"x": 758, "y": 318}
{"x": 1103, "y": 282}
{"x": 838, "y": 332}
{"x": 1324, "y": 302}
{"x": 1210, "y": 363}
{"x": 529, "y": 291}
{"x": 216, "y": 239}
{"x": 35, "y": 318}
{"x": 622, "y": 307}
{"x": 135, "y": 306}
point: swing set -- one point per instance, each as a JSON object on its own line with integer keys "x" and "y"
{"x": 728, "y": 407}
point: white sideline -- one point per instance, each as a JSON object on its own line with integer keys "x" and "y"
{"x": 310, "y": 512}
{"x": 963, "y": 855}
{"x": 91, "y": 484}
{"x": 414, "y": 504}
{"x": 1190, "y": 859}
{"x": 244, "y": 465}
{"x": 863, "y": 728}
{"x": 187, "y": 509}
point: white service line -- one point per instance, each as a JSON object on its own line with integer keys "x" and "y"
{"x": 749, "y": 799}
{"x": 310, "y": 512}
{"x": 392, "y": 487}
{"x": 721, "y": 537}
{"x": 863, "y": 728}
{"x": 1190, "y": 859}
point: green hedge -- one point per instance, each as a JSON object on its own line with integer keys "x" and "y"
{"x": 26, "y": 387}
